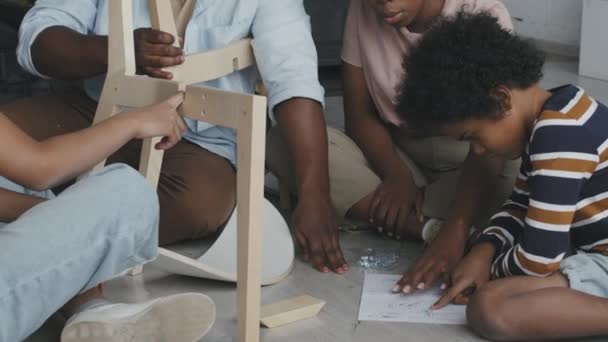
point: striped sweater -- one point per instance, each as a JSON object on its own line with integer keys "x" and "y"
{"x": 560, "y": 200}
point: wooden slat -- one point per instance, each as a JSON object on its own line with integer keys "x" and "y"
{"x": 121, "y": 50}
{"x": 215, "y": 106}
{"x": 290, "y": 310}
{"x": 140, "y": 91}
{"x": 250, "y": 196}
{"x": 235, "y": 57}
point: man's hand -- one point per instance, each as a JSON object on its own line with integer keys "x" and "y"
{"x": 438, "y": 260}
{"x": 471, "y": 274}
{"x": 392, "y": 203}
{"x": 317, "y": 234}
{"x": 154, "y": 51}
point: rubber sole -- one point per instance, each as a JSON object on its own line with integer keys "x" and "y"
{"x": 179, "y": 318}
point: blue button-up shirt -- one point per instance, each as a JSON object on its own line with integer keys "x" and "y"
{"x": 282, "y": 42}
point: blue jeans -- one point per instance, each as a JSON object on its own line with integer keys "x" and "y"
{"x": 93, "y": 231}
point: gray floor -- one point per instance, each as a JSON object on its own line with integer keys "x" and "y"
{"x": 338, "y": 320}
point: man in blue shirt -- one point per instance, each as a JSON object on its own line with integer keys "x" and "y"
{"x": 67, "y": 39}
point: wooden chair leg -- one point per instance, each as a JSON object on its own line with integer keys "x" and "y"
{"x": 250, "y": 194}
{"x": 250, "y": 124}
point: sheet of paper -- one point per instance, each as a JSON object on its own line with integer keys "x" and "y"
{"x": 378, "y": 303}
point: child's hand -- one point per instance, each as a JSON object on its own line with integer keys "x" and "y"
{"x": 437, "y": 261}
{"x": 163, "y": 120}
{"x": 472, "y": 273}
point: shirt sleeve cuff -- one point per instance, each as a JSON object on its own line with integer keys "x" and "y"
{"x": 351, "y": 61}
{"x": 494, "y": 240}
{"x": 290, "y": 91}
{"x": 24, "y": 50}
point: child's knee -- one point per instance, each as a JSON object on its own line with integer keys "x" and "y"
{"x": 129, "y": 183}
{"x": 486, "y": 316}
{"x": 129, "y": 193}
{"x": 119, "y": 173}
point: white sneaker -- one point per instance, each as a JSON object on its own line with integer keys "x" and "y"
{"x": 178, "y": 318}
{"x": 431, "y": 230}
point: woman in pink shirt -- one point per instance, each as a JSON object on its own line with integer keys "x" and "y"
{"x": 413, "y": 184}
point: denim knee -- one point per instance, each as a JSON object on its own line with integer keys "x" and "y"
{"x": 127, "y": 195}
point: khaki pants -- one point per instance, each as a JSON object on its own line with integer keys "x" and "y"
{"x": 435, "y": 163}
{"x": 197, "y": 189}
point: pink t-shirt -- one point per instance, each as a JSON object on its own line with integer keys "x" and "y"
{"x": 378, "y": 48}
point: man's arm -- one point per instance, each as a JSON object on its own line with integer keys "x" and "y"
{"x": 65, "y": 51}
{"x": 303, "y": 126}
{"x": 285, "y": 52}
{"x": 287, "y": 61}
{"x": 303, "y": 122}
{"x": 59, "y": 52}
{"x": 55, "y": 41}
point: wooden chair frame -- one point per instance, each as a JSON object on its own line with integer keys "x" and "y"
{"x": 244, "y": 112}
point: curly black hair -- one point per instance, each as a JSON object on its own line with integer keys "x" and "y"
{"x": 455, "y": 69}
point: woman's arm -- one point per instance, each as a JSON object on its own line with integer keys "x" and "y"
{"x": 364, "y": 126}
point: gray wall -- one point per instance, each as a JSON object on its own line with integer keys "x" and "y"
{"x": 552, "y": 21}
{"x": 327, "y": 18}
{"x": 594, "y": 40}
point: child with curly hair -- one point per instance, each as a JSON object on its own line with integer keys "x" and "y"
{"x": 546, "y": 251}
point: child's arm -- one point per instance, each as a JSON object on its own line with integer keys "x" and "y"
{"x": 504, "y": 229}
{"x": 562, "y": 159}
{"x": 42, "y": 165}
{"x": 13, "y": 205}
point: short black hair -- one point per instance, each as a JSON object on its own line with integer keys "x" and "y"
{"x": 453, "y": 72}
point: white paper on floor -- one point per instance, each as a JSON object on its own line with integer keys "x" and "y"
{"x": 378, "y": 303}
